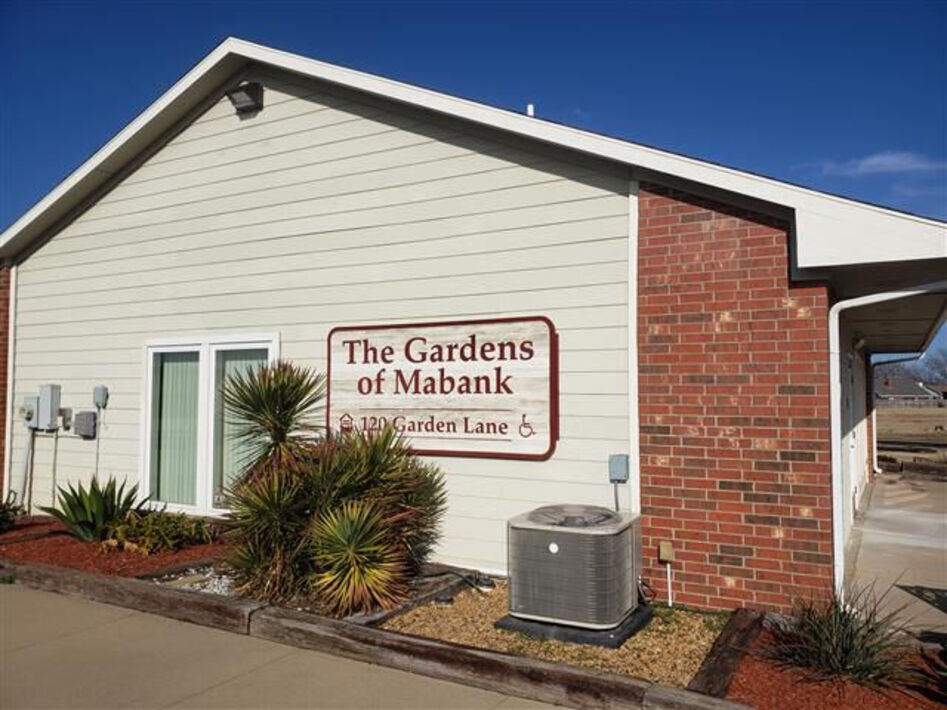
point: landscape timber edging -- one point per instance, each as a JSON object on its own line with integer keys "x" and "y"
{"x": 227, "y": 613}
{"x": 453, "y": 587}
{"x": 499, "y": 672}
{"x": 721, "y": 662}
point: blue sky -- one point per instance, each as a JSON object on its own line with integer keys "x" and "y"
{"x": 845, "y": 97}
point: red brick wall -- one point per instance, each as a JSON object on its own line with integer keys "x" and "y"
{"x": 4, "y": 342}
{"x": 734, "y": 407}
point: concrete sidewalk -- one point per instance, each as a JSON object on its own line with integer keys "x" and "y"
{"x": 904, "y": 539}
{"x": 63, "y": 652}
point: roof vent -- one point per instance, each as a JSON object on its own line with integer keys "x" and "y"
{"x": 246, "y": 98}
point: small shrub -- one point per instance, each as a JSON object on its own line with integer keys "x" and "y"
{"x": 9, "y": 512}
{"x": 832, "y": 640}
{"x": 159, "y": 530}
{"x": 90, "y": 514}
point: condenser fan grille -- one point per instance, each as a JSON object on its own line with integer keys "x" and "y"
{"x": 573, "y": 516}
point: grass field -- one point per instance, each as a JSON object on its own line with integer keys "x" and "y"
{"x": 921, "y": 426}
{"x": 914, "y": 424}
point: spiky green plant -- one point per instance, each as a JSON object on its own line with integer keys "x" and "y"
{"x": 267, "y": 528}
{"x": 275, "y": 411}
{"x": 358, "y": 565}
{"x": 832, "y": 640}
{"x": 380, "y": 467}
{"x": 88, "y": 514}
{"x": 277, "y": 512}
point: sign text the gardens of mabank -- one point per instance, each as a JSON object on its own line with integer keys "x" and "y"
{"x": 467, "y": 388}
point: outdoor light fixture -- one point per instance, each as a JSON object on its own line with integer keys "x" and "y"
{"x": 247, "y": 98}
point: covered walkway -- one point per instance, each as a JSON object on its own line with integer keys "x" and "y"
{"x": 902, "y": 540}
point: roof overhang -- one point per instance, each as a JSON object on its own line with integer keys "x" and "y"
{"x": 906, "y": 325}
{"x": 829, "y": 230}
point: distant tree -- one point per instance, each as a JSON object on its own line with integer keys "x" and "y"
{"x": 932, "y": 368}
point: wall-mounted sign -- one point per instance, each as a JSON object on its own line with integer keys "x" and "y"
{"x": 485, "y": 388}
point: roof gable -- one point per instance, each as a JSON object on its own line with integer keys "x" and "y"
{"x": 829, "y": 230}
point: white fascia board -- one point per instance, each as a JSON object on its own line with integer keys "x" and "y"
{"x": 830, "y": 230}
{"x": 122, "y": 148}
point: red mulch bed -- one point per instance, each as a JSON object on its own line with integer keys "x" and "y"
{"x": 65, "y": 551}
{"x": 27, "y": 527}
{"x": 761, "y": 685}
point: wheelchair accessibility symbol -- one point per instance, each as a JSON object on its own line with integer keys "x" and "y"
{"x": 526, "y": 429}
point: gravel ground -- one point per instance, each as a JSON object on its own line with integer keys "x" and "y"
{"x": 669, "y": 650}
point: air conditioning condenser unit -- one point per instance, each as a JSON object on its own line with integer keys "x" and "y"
{"x": 576, "y": 565}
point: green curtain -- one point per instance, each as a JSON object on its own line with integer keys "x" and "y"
{"x": 174, "y": 428}
{"x": 228, "y": 455}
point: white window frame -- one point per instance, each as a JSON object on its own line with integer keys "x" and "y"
{"x": 206, "y": 346}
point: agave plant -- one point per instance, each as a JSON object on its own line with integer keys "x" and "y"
{"x": 275, "y": 411}
{"x": 359, "y": 565}
{"x": 832, "y": 639}
{"x": 90, "y": 514}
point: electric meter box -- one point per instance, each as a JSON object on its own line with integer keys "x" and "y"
{"x": 47, "y": 416}
{"x": 84, "y": 425}
{"x": 28, "y": 410}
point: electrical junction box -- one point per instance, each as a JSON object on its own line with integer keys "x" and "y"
{"x": 47, "y": 415}
{"x": 100, "y": 396}
{"x": 618, "y": 468}
{"x": 84, "y": 425}
{"x": 28, "y": 410}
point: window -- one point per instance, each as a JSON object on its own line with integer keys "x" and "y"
{"x": 190, "y": 456}
{"x": 228, "y": 457}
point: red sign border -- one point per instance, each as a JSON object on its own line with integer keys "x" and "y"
{"x": 553, "y": 382}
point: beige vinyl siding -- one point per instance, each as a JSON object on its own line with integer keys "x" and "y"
{"x": 332, "y": 208}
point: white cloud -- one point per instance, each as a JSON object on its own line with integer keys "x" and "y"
{"x": 886, "y": 161}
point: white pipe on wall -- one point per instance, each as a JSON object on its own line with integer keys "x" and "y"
{"x": 835, "y": 411}
{"x": 11, "y": 363}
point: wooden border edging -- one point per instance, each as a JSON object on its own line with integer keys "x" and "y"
{"x": 499, "y": 672}
{"x": 715, "y": 673}
{"x": 219, "y": 612}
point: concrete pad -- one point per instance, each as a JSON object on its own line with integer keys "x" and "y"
{"x": 904, "y": 541}
{"x": 135, "y": 661}
{"x": 64, "y": 652}
{"x": 308, "y": 678}
{"x": 28, "y": 617}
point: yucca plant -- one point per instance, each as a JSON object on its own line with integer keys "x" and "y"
{"x": 275, "y": 411}
{"x": 89, "y": 514}
{"x": 380, "y": 467}
{"x": 359, "y": 565}
{"x": 833, "y": 640}
{"x": 267, "y": 528}
{"x": 354, "y": 518}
